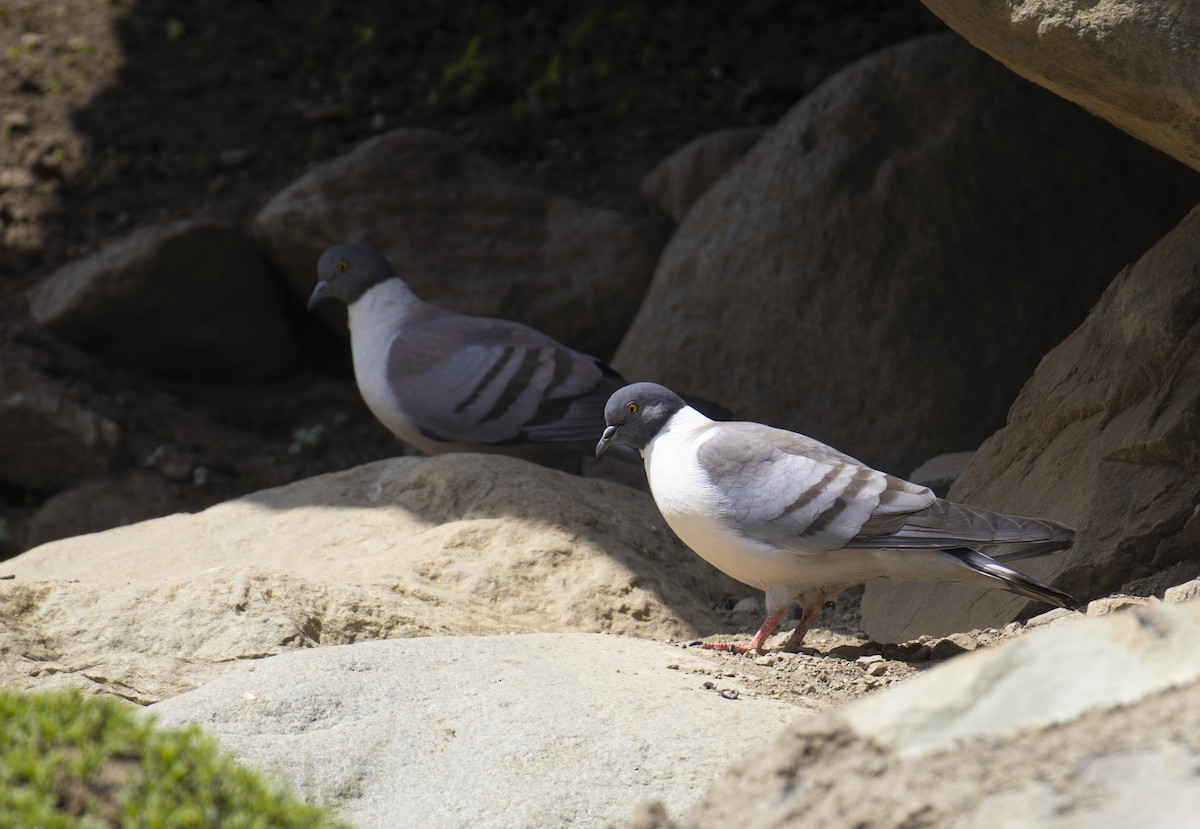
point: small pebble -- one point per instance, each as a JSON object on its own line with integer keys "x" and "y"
{"x": 877, "y": 668}
{"x": 728, "y": 693}
{"x": 1182, "y": 592}
{"x": 1058, "y": 614}
{"x": 1111, "y": 604}
{"x": 17, "y": 121}
{"x": 946, "y": 648}
{"x": 868, "y": 660}
{"x": 16, "y": 178}
{"x": 767, "y": 660}
{"x": 923, "y": 653}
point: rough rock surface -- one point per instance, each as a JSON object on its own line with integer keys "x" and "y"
{"x": 1089, "y": 723}
{"x": 821, "y": 277}
{"x": 458, "y": 544}
{"x": 1104, "y": 437}
{"x": 1100, "y": 661}
{"x": 1133, "y": 64}
{"x": 51, "y": 442}
{"x": 189, "y": 299}
{"x": 499, "y": 731}
{"x": 683, "y": 177}
{"x": 467, "y": 236}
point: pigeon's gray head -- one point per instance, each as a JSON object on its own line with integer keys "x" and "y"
{"x": 636, "y": 414}
{"x": 347, "y": 271}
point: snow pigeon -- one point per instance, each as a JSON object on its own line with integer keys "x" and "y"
{"x": 447, "y": 382}
{"x": 801, "y": 520}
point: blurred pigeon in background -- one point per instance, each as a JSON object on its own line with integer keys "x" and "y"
{"x": 447, "y": 382}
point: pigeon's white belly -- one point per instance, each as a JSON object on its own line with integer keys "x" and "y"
{"x": 693, "y": 509}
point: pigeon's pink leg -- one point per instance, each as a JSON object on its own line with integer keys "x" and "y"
{"x": 807, "y": 617}
{"x": 768, "y": 627}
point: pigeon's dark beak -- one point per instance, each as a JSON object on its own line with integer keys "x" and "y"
{"x": 318, "y": 293}
{"x": 609, "y": 434}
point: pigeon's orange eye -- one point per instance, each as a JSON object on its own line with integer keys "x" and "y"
{"x": 631, "y": 408}
{"x": 343, "y": 265}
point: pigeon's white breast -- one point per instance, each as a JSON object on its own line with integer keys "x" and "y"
{"x": 695, "y": 510}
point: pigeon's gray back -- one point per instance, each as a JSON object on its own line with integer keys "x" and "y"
{"x": 478, "y": 380}
{"x": 797, "y": 493}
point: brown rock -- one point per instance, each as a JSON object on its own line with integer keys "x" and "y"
{"x": 1104, "y": 437}
{"x": 887, "y": 265}
{"x": 1133, "y": 64}
{"x": 683, "y": 177}
{"x": 185, "y": 300}
{"x": 456, "y": 544}
{"x": 51, "y": 442}
{"x": 467, "y": 236}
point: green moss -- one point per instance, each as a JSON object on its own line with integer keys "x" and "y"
{"x": 69, "y": 762}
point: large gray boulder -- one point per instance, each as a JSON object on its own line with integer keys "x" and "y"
{"x": 459, "y": 544}
{"x": 1133, "y": 64}
{"x": 885, "y": 268}
{"x": 1104, "y": 437}
{"x": 189, "y": 299}
{"x": 468, "y": 236}
{"x": 499, "y": 731}
{"x": 683, "y": 177}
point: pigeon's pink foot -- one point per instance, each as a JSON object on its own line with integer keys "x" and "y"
{"x": 768, "y": 627}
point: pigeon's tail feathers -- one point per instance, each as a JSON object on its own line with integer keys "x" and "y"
{"x": 948, "y": 525}
{"x": 1013, "y": 581}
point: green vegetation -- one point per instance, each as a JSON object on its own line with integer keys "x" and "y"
{"x": 69, "y": 762}
{"x": 467, "y": 75}
{"x": 577, "y": 70}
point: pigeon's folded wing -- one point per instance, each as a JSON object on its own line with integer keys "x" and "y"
{"x": 796, "y": 493}
{"x": 491, "y": 381}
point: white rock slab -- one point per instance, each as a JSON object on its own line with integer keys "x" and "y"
{"x": 1053, "y": 675}
{"x": 500, "y": 731}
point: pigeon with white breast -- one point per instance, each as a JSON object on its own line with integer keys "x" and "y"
{"x": 801, "y": 520}
{"x": 449, "y": 382}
